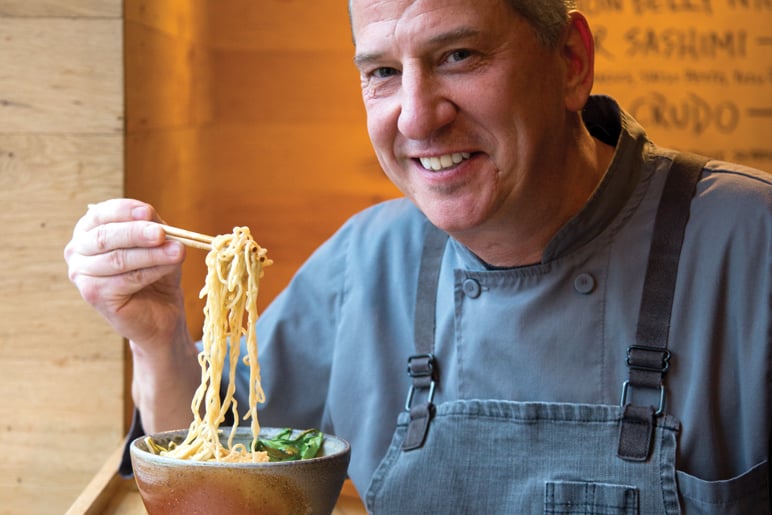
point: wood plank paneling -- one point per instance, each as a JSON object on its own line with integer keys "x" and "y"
{"x": 280, "y": 25}
{"x": 288, "y": 87}
{"x": 183, "y": 21}
{"x": 62, "y": 375}
{"x": 168, "y": 71}
{"x": 61, "y": 147}
{"x": 55, "y": 75}
{"x": 61, "y": 8}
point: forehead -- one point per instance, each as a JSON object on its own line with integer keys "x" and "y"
{"x": 386, "y": 20}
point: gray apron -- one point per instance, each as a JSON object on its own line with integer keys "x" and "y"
{"x": 502, "y": 457}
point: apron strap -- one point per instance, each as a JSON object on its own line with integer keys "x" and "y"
{"x": 648, "y": 360}
{"x": 422, "y": 366}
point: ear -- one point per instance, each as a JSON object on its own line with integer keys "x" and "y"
{"x": 578, "y": 50}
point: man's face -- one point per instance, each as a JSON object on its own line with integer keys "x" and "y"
{"x": 463, "y": 105}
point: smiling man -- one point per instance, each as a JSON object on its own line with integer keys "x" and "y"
{"x": 585, "y": 316}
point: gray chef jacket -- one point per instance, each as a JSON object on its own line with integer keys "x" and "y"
{"x": 334, "y": 345}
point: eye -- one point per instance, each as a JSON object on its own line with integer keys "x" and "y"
{"x": 458, "y": 55}
{"x": 384, "y": 72}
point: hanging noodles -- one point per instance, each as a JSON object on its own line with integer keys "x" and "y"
{"x": 234, "y": 268}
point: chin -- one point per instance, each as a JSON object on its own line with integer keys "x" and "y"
{"x": 453, "y": 214}
{"x": 454, "y": 223}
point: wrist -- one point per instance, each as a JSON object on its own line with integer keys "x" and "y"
{"x": 165, "y": 377}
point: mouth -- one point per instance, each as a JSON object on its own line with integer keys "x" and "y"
{"x": 443, "y": 162}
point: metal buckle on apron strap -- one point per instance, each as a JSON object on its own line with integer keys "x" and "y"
{"x": 660, "y": 409}
{"x": 647, "y": 366}
{"x": 422, "y": 368}
{"x": 654, "y": 362}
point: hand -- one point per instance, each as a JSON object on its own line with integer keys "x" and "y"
{"x": 123, "y": 265}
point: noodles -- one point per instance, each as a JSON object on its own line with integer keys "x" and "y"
{"x": 234, "y": 268}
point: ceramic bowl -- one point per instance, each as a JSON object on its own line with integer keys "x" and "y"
{"x": 170, "y": 485}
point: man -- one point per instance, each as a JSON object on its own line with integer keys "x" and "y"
{"x": 522, "y": 327}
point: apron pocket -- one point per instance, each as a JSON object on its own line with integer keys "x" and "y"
{"x": 746, "y": 493}
{"x": 569, "y": 497}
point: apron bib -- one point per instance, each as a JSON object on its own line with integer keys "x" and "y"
{"x": 554, "y": 458}
{"x": 535, "y": 458}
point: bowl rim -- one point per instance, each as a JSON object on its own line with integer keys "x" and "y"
{"x": 134, "y": 448}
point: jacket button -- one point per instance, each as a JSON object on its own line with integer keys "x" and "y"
{"x": 584, "y": 283}
{"x": 471, "y": 288}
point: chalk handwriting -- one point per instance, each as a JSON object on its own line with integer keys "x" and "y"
{"x": 690, "y": 113}
{"x": 696, "y": 70}
{"x": 671, "y": 6}
{"x": 756, "y": 5}
{"x": 749, "y": 78}
{"x": 691, "y": 76}
{"x": 659, "y": 77}
{"x": 753, "y": 154}
{"x": 760, "y": 112}
{"x": 714, "y": 77}
{"x": 644, "y": 7}
{"x": 591, "y": 7}
{"x": 687, "y": 43}
{"x": 615, "y": 77}
{"x": 600, "y": 36}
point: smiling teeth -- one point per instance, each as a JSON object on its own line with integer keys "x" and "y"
{"x": 442, "y": 162}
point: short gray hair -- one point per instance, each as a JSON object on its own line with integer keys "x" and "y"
{"x": 547, "y": 17}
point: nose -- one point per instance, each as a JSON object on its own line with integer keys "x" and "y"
{"x": 424, "y": 108}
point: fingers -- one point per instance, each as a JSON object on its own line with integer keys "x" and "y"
{"x": 110, "y": 212}
{"x": 115, "y": 224}
{"x": 121, "y": 260}
{"x": 112, "y": 236}
{"x": 116, "y": 210}
{"x": 118, "y": 248}
{"x": 108, "y": 292}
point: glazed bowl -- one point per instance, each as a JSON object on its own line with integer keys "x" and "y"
{"x": 170, "y": 485}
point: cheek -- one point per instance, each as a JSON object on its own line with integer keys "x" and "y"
{"x": 379, "y": 127}
{"x": 379, "y": 138}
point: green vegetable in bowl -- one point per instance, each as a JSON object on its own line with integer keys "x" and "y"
{"x": 281, "y": 447}
{"x": 284, "y": 447}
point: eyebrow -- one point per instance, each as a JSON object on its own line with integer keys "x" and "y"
{"x": 457, "y": 34}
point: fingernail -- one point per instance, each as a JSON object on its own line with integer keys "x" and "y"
{"x": 173, "y": 249}
{"x": 151, "y": 232}
{"x": 140, "y": 213}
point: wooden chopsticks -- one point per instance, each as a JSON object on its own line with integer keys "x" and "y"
{"x": 189, "y": 238}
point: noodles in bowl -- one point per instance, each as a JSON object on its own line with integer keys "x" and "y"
{"x": 233, "y": 472}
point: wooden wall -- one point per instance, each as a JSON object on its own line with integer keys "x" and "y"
{"x": 61, "y": 147}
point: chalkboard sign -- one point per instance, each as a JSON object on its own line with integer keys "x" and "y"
{"x": 697, "y": 74}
